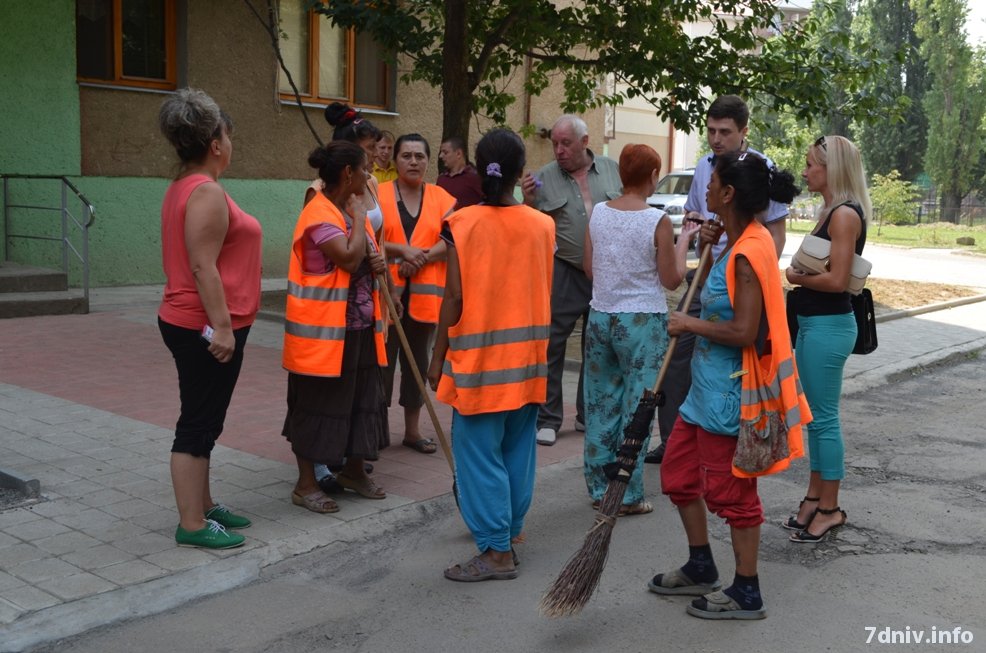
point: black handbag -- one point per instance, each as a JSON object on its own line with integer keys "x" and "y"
{"x": 863, "y": 309}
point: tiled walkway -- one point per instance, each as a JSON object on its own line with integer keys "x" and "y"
{"x": 87, "y": 407}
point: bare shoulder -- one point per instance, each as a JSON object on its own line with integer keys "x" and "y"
{"x": 845, "y": 220}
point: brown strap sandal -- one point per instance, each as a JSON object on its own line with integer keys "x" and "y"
{"x": 317, "y": 501}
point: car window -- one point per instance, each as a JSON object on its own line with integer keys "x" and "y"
{"x": 674, "y": 185}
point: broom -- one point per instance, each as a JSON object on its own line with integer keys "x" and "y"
{"x": 577, "y": 581}
{"x": 395, "y": 318}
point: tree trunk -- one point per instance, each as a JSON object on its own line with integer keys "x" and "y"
{"x": 457, "y": 94}
{"x": 951, "y": 206}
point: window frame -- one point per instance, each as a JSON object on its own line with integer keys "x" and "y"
{"x": 170, "y": 82}
{"x": 315, "y": 21}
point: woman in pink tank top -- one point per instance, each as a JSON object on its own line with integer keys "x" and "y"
{"x": 211, "y": 251}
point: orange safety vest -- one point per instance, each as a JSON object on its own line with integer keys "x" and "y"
{"x": 428, "y": 285}
{"x": 498, "y": 351}
{"x": 315, "y": 319}
{"x": 770, "y": 386}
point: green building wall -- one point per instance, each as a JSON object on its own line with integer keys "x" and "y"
{"x": 39, "y": 97}
{"x": 40, "y": 135}
{"x": 125, "y": 241}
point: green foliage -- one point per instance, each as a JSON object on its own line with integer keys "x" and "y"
{"x": 955, "y": 103}
{"x": 895, "y": 144}
{"x": 471, "y": 49}
{"x": 893, "y": 198}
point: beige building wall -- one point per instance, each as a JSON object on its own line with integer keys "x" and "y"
{"x": 230, "y": 57}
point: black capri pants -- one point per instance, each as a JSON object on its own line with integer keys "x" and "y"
{"x": 205, "y": 387}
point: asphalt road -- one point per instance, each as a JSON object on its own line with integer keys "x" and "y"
{"x": 912, "y": 560}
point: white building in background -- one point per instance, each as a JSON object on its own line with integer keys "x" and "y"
{"x": 635, "y": 121}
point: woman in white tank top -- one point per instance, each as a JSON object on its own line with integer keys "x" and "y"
{"x": 630, "y": 254}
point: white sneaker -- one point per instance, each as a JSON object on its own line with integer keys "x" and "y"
{"x": 579, "y": 425}
{"x": 547, "y": 436}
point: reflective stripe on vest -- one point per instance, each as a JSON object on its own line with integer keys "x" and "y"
{"x": 318, "y": 293}
{"x": 496, "y": 377}
{"x": 499, "y": 337}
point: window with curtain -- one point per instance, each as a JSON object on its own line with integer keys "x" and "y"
{"x": 330, "y": 63}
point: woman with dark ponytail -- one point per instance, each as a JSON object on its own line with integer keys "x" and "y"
{"x": 491, "y": 352}
{"x": 333, "y": 334}
{"x": 742, "y": 351}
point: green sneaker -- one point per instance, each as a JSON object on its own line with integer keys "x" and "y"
{"x": 221, "y": 514}
{"x": 213, "y": 536}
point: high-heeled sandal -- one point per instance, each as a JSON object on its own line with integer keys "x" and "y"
{"x": 792, "y": 523}
{"x": 804, "y": 537}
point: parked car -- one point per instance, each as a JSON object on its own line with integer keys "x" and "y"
{"x": 670, "y": 196}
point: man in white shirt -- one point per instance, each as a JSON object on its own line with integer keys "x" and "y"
{"x": 726, "y": 127}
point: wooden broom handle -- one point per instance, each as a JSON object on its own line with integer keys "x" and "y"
{"x": 673, "y": 342}
{"x": 446, "y": 449}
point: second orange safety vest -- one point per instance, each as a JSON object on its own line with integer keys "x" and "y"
{"x": 498, "y": 350}
{"x": 428, "y": 284}
{"x": 770, "y": 388}
{"x": 315, "y": 317}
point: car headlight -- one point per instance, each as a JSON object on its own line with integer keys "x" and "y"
{"x": 674, "y": 210}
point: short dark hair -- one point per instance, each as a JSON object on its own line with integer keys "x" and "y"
{"x": 411, "y": 138}
{"x": 500, "y": 159}
{"x": 455, "y": 142}
{"x": 730, "y": 106}
{"x": 754, "y": 182}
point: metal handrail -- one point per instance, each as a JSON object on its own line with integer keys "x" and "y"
{"x": 88, "y": 219}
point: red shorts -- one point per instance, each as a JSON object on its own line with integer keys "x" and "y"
{"x": 698, "y": 465}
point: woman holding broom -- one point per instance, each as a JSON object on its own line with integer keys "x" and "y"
{"x": 333, "y": 333}
{"x": 490, "y": 357}
{"x": 743, "y": 323}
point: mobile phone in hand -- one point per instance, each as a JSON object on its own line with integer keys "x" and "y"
{"x": 207, "y": 332}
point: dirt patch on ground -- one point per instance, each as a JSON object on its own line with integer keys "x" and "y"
{"x": 891, "y": 295}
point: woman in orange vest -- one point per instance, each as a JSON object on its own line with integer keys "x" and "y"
{"x": 412, "y": 216}
{"x": 333, "y": 333}
{"x": 742, "y": 328}
{"x": 490, "y": 359}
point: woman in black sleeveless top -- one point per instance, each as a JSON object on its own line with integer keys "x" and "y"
{"x": 827, "y": 327}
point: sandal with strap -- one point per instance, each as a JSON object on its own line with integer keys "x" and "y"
{"x": 317, "y": 501}
{"x": 364, "y": 487}
{"x": 719, "y": 605}
{"x": 639, "y": 508}
{"x": 792, "y": 523}
{"x": 422, "y": 445}
{"x": 676, "y": 582}
{"x": 477, "y": 570}
{"x": 804, "y": 537}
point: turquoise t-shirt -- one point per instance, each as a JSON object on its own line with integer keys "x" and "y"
{"x": 713, "y": 402}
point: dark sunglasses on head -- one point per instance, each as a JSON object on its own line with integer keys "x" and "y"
{"x": 821, "y": 143}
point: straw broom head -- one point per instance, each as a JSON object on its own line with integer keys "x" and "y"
{"x": 578, "y": 580}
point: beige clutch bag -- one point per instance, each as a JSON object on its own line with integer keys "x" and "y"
{"x": 813, "y": 258}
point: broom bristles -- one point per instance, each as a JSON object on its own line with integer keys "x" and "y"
{"x": 578, "y": 580}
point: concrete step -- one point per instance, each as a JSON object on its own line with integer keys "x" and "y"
{"x": 15, "y": 277}
{"x": 49, "y": 302}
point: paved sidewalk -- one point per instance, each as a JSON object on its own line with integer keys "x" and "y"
{"x": 87, "y": 407}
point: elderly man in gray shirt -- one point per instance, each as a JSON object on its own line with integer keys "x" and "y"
{"x": 567, "y": 189}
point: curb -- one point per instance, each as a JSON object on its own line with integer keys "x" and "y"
{"x": 30, "y": 488}
{"x": 891, "y": 373}
{"x": 49, "y": 625}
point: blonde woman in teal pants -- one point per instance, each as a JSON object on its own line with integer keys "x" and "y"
{"x": 827, "y": 328}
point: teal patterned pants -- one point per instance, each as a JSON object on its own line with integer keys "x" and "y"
{"x": 623, "y": 354}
